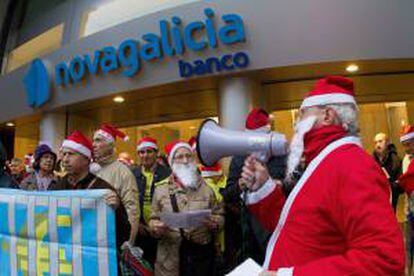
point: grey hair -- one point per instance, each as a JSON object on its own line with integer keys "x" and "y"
{"x": 347, "y": 116}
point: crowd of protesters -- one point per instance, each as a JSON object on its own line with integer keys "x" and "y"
{"x": 159, "y": 182}
{"x": 175, "y": 182}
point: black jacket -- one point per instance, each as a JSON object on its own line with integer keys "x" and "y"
{"x": 161, "y": 172}
{"x": 5, "y": 179}
{"x": 242, "y": 229}
{"x": 392, "y": 164}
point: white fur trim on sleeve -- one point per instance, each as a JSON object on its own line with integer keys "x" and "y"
{"x": 211, "y": 173}
{"x": 332, "y": 98}
{"x": 263, "y": 192}
{"x": 284, "y": 271}
{"x": 407, "y": 137}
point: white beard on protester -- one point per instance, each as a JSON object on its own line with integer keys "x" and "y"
{"x": 297, "y": 146}
{"x": 188, "y": 174}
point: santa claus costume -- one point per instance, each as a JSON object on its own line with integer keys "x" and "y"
{"x": 338, "y": 219}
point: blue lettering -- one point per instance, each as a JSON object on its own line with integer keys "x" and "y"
{"x": 62, "y": 74}
{"x": 128, "y": 56}
{"x": 93, "y": 67}
{"x": 189, "y": 32}
{"x": 186, "y": 69}
{"x": 234, "y": 30}
{"x": 77, "y": 69}
{"x": 199, "y": 68}
{"x": 151, "y": 50}
{"x": 241, "y": 60}
{"x": 224, "y": 61}
{"x": 165, "y": 38}
{"x": 109, "y": 61}
{"x": 211, "y": 31}
{"x": 213, "y": 61}
{"x": 172, "y": 40}
{"x": 176, "y": 35}
{"x": 213, "y": 64}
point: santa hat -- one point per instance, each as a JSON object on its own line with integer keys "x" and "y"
{"x": 407, "y": 133}
{"x": 172, "y": 148}
{"x": 257, "y": 118}
{"x": 193, "y": 143}
{"x": 331, "y": 90}
{"x": 147, "y": 142}
{"x": 79, "y": 143}
{"x": 214, "y": 170}
{"x": 109, "y": 133}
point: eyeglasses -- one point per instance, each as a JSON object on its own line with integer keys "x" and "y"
{"x": 181, "y": 157}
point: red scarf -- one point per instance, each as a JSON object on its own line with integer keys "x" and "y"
{"x": 317, "y": 139}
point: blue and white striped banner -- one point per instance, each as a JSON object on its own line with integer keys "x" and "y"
{"x": 56, "y": 233}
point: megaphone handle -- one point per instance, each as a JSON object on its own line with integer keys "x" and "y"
{"x": 261, "y": 157}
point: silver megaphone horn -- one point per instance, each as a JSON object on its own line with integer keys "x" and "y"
{"x": 214, "y": 143}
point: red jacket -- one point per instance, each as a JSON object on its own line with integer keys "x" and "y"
{"x": 337, "y": 220}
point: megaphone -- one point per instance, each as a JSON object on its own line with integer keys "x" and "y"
{"x": 214, "y": 143}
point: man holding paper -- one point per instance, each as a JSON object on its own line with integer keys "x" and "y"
{"x": 338, "y": 219}
{"x": 184, "y": 251}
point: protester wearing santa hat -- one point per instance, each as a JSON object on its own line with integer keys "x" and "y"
{"x": 147, "y": 174}
{"x": 338, "y": 219}
{"x": 76, "y": 154}
{"x": 116, "y": 173}
{"x": 407, "y": 141}
{"x": 186, "y": 251}
{"x": 245, "y": 237}
{"x": 405, "y": 181}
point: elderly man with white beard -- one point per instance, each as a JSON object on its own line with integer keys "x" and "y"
{"x": 185, "y": 252}
{"x": 337, "y": 220}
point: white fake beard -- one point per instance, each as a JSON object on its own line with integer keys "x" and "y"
{"x": 187, "y": 174}
{"x": 297, "y": 146}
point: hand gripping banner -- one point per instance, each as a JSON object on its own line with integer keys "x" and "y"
{"x": 56, "y": 233}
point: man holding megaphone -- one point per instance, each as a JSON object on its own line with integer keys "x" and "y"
{"x": 337, "y": 220}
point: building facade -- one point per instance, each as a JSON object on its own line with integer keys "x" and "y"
{"x": 160, "y": 67}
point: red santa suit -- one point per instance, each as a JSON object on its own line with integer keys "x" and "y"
{"x": 338, "y": 219}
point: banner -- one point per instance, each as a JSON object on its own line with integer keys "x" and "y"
{"x": 56, "y": 233}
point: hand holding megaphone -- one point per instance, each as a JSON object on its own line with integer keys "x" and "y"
{"x": 214, "y": 143}
{"x": 254, "y": 174}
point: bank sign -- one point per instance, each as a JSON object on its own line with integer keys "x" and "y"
{"x": 174, "y": 39}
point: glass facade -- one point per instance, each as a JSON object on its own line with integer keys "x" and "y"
{"x": 111, "y": 14}
{"x": 36, "y": 47}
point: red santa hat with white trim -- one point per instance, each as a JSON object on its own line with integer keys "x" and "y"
{"x": 147, "y": 142}
{"x": 257, "y": 119}
{"x": 211, "y": 171}
{"x": 110, "y": 133}
{"x": 407, "y": 133}
{"x": 171, "y": 149}
{"x": 331, "y": 90}
{"x": 79, "y": 143}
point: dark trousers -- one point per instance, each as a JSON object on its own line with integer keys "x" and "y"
{"x": 149, "y": 245}
{"x": 196, "y": 259}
